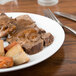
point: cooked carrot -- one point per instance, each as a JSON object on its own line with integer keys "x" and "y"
{"x": 10, "y": 46}
{"x": 6, "y": 62}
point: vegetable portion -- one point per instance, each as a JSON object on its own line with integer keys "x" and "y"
{"x": 18, "y": 55}
{"x": 6, "y": 62}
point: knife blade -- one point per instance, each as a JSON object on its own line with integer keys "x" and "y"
{"x": 66, "y": 15}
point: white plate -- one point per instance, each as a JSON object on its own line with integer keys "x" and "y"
{"x": 50, "y": 26}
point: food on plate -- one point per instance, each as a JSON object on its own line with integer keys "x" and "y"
{"x": 29, "y": 39}
{"x": 24, "y": 37}
{"x": 32, "y": 39}
{"x": 29, "y": 35}
{"x": 7, "y": 25}
{"x": 18, "y": 55}
{"x": 13, "y": 55}
{"x": 23, "y": 22}
{"x": 47, "y": 38}
{"x": 6, "y": 62}
{"x": 26, "y": 20}
{"x": 2, "y": 53}
{"x": 10, "y": 46}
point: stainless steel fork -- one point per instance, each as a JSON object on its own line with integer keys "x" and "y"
{"x": 48, "y": 13}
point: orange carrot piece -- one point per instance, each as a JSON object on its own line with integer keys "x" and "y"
{"x": 6, "y": 62}
{"x": 10, "y": 46}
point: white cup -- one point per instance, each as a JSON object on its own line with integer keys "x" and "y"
{"x": 11, "y": 5}
{"x": 3, "y": 2}
{"x": 47, "y": 2}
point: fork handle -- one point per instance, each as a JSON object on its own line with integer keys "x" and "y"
{"x": 72, "y": 30}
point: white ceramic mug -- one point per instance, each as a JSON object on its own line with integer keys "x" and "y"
{"x": 47, "y": 2}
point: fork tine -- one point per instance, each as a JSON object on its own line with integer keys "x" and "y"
{"x": 53, "y": 16}
{"x": 47, "y": 14}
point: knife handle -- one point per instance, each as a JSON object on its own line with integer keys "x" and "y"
{"x": 66, "y": 15}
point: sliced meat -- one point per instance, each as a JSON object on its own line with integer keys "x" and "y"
{"x": 18, "y": 36}
{"x": 29, "y": 35}
{"x": 33, "y": 37}
{"x": 41, "y": 31}
{"x": 29, "y": 39}
{"x": 4, "y": 19}
{"x": 23, "y": 22}
{"x": 7, "y": 25}
{"x": 6, "y": 30}
{"x": 20, "y": 28}
{"x": 47, "y": 38}
{"x": 24, "y": 19}
{"x": 33, "y": 47}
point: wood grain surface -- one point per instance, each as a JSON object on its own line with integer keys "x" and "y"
{"x": 63, "y": 63}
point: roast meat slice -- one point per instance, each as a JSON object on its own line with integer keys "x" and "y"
{"x": 7, "y": 25}
{"x": 47, "y": 38}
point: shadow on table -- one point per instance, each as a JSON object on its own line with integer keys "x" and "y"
{"x": 48, "y": 67}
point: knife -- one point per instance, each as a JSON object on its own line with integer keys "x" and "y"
{"x": 66, "y": 15}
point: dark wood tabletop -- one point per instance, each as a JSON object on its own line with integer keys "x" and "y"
{"x": 62, "y": 63}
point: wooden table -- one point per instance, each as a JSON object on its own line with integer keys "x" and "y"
{"x": 63, "y": 63}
